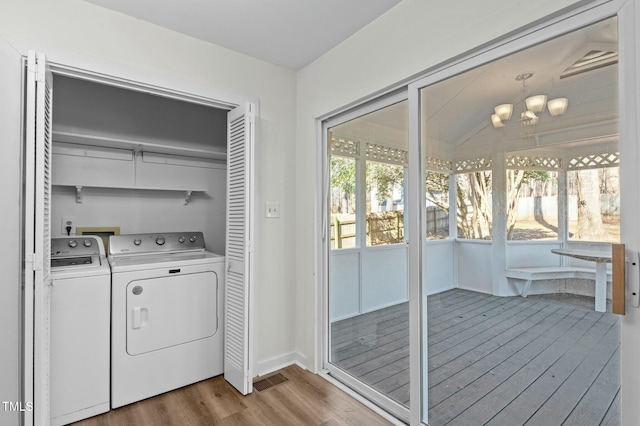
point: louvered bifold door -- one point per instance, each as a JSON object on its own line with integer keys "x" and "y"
{"x": 239, "y": 252}
{"x": 38, "y": 119}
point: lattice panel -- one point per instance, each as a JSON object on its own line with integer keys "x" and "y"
{"x": 386, "y": 154}
{"x": 482, "y": 163}
{"x": 437, "y": 165}
{"x": 523, "y": 162}
{"x": 595, "y": 161}
{"x": 346, "y": 147}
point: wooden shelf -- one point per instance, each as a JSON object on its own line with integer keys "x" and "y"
{"x": 138, "y": 145}
{"x": 187, "y": 191}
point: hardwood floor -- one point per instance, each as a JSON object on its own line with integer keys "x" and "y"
{"x": 493, "y": 360}
{"x": 304, "y": 399}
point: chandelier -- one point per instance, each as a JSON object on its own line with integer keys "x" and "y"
{"x": 533, "y": 105}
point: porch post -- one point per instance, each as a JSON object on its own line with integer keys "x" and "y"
{"x": 499, "y": 226}
{"x": 563, "y": 205}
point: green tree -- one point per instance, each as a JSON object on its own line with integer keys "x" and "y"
{"x": 473, "y": 198}
{"x": 473, "y": 201}
{"x": 384, "y": 177}
{"x": 515, "y": 181}
{"x": 343, "y": 176}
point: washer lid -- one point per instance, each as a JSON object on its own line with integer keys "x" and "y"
{"x": 71, "y": 261}
{"x": 98, "y": 266}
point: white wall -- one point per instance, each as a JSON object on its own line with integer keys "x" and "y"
{"x": 439, "y": 258}
{"x": 74, "y": 28}
{"x": 384, "y": 277}
{"x": 475, "y": 265}
{"x": 344, "y": 276}
{"x": 376, "y": 277}
{"x": 10, "y": 160}
{"x": 364, "y": 280}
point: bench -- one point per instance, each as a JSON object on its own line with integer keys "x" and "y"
{"x": 540, "y": 273}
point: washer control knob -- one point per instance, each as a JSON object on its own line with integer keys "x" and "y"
{"x": 160, "y": 241}
{"x": 73, "y": 243}
{"x": 181, "y": 240}
{"x": 87, "y": 243}
{"x": 137, "y": 242}
{"x": 192, "y": 238}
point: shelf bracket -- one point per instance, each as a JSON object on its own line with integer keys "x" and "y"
{"x": 78, "y": 194}
{"x": 187, "y": 195}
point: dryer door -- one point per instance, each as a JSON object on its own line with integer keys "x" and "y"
{"x": 171, "y": 310}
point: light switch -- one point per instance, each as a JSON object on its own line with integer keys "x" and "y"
{"x": 272, "y": 209}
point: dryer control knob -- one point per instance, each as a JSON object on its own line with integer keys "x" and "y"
{"x": 192, "y": 238}
{"x": 87, "y": 243}
{"x": 137, "y": 242}
{"x": 181, "y": 240}
{"x": 73, "y": 243}
{"x": 160, "y": 241}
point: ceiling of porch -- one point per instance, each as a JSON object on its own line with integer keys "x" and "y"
{"x": 455, "y": 113}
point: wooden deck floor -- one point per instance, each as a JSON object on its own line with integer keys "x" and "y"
{"x": 493, "y": 360}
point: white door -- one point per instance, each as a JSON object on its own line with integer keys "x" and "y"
{"x": 37, "y": 237}
{"x": 239, "y": 250}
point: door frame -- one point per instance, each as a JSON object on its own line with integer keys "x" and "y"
{"x": 565, "y": 20}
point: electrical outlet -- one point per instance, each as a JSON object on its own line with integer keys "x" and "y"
{"x": 272, "y": 209}
{"x": 68, "y": 222}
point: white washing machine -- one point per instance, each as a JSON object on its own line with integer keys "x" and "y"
{"x": 167, "y": 314}
{"x": 80, "y": 329}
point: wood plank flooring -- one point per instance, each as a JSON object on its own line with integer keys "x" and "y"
{"x": 493, "y": 360}
{"x": 304, "y": 399}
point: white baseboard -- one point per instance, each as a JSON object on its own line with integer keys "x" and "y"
{"x": 281, "y": 361}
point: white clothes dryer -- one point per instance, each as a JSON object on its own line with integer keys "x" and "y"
{"x": 79, "y": 329}
{"x": 167, "y": 314}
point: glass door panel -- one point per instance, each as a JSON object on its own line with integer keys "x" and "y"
{"x": 520, "y": 156}
{"x": 368, "y": 287}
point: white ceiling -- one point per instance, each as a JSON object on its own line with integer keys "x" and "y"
{"x": 290, "y": 33}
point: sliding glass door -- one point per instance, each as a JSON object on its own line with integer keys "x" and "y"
{"x": 367, "y": 286}
{"x": 437, "y": 199}
{"x": 520, "y": 158}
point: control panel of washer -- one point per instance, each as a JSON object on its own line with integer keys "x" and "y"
{"x": 76, "y": 246}
{"x": 155, "y": 243}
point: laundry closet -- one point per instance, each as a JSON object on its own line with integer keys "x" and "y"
{"x": 132, "y": 162}
{"x": 166, "y": 173}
